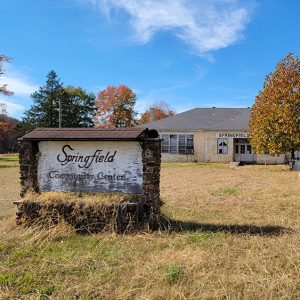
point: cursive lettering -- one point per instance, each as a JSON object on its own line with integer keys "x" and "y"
{"x": 84, "y": 161}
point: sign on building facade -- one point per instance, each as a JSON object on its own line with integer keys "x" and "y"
{"x": 239, "y": 135}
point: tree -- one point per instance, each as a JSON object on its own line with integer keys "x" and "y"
{"x": 115, "y": 105}
{"x": 76, "y": 104}
{"x": 3, "y": 89}
{"x": 275, "y": 116}
{"x": 8, "y": 141}
{"x": 44, "y": 111}
{"x": 78, "y": 107}
{"x": 161, "y": 110}
{"x": 3, "y": 109}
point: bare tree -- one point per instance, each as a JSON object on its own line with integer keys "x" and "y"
{"x": 3, "y": 109}
{"x": 3, "y": 89}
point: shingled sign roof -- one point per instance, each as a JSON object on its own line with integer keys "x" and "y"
{"x": 88, "y": 134}
{"x": 205, "y": 119}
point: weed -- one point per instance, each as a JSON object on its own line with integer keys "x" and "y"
{"x": 227, "y": 191}
{"x": 174, "y": 274}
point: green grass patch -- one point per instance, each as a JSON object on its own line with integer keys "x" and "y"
{"x": 9, "y": 158}
{"x": 28, "y": 283}
{"x": 228, "y": 191}
{"x": 173, "y": 274}
{"x": 195, "y": 238}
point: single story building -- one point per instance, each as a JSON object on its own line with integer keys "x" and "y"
{"x": 209, "y": 135}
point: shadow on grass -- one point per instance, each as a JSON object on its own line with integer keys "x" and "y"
{"x": 184, "y": 226}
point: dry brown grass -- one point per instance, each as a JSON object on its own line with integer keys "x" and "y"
{"x": 9, "y": 187}
{"x": 241, "y": 240}
{"x": 104, "y": 198}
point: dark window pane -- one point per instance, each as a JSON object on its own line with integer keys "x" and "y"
{"x": 190, "y": 142}
{"x": 181, "y": 150}
{"x": 173, "y": 149}
{"x": 181, "y": 140}
{"x": 173, "y": 139}
{"x": 249, "y": 149}
{"x": 165, "y": 140}
{"x": 189, "y": 150}
{"x": 242, "y": 149}
{"x": 222, "y": 146}
{"x": 165, "y": 149}
{"x": 236, "y": 149}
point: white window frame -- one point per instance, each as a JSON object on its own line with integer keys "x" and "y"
{"x": 177, "y": 143}
{"x": 224, "y": 148}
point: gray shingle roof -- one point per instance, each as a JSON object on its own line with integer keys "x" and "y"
{"x": 205, "y": 119}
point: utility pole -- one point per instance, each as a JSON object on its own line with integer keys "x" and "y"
{"x": 59, "y": 113}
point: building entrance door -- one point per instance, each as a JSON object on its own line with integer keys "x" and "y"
{"x": 243, "y": 151}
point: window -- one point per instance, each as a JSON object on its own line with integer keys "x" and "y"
{"x": 222, "y": 146}
{"x": 177, "y": 143}
{"x": 242, "y": 149}
{"x": 165, "y": 143}
{"x": 249, "y": 149}
{"x": 173, "y": 143}
{"x": 236, "y": 149}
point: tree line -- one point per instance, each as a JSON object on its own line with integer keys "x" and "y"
{"x": 112, "y": 107}
{"x": 274, "y": 121}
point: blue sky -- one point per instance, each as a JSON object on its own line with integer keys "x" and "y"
{"x": 189, "y": 53}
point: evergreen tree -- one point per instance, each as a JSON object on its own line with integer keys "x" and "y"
{"x": 78, "y": 107}
{"x": 44, "y": 111}
{"x": 76, "y": 104}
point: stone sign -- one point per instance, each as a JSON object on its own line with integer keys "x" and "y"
{"x": 91, "y": 160}
{"x": 90, "y": 166}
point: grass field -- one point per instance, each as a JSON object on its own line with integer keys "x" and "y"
{"x": 239, "y": 239}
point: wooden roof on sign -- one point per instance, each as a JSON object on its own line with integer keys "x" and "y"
{"x": 86, "y": 134}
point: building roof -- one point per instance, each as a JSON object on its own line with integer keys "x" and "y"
{"x": 87, "y": 134}
{"x": 205, "y": 119}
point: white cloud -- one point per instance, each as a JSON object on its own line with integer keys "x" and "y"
{"x": 12, "y": 108}
{"x": 206, "y": 25}
{"x": 141, "y": 105}
{"x": 18, "y": 84}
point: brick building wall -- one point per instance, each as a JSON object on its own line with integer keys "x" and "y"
{"x": 206, "y": 150}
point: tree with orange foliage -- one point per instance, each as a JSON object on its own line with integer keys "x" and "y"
{"x": 8, "y": 140}
{"x": 275, "y": 116}
{"x": 7, "y": 124}
{"x": 115, "y": 107}
{"x": 160, "y": 110}
{"x": 3, "y": 89}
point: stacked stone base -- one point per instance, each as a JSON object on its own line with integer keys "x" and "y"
{"x": 120, "y": 217}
